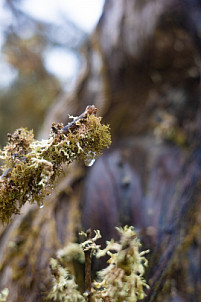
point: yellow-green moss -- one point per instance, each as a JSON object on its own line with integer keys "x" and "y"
{"x": 31, "y": 166}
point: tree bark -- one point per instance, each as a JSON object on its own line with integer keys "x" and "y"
{"x": 142, "y": 70}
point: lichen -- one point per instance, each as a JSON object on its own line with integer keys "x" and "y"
{"x": 122, "y": 280}
{"x": 31, "y": 166}
{"x": 64, "y": 287}
{"x": 72, "y": 251}
{"x": 4, "y": 295}
{"x": 168, "y": 129}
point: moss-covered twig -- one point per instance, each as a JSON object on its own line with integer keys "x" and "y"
{"x": 31, "y": 166}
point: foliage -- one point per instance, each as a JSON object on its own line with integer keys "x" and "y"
{"x": 31, "y": 166}
{"x": 122, "y": 280}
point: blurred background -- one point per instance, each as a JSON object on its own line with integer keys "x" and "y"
{"x": 140, "y": 65}
{"x": 40, "y": 55}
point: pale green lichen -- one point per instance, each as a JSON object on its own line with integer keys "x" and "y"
{"x": 90, "y": 244}
{"x": 122, "y": 280}
{"x": 64, "y": 287}
{"x": 4, "y": 295}
{"x": 31, "y": 166}
{"x": 72, "y": 251}
{"x": 168, "y": 129}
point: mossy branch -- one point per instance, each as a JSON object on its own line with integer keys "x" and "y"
{"x": 31, "y": 166}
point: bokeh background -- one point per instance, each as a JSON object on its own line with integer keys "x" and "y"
{"x": 40, "y": 56}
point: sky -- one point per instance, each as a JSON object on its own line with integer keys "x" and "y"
{"x": 84, "y": 13}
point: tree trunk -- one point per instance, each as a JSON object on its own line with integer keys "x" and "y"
{"x": 142, "y": 70}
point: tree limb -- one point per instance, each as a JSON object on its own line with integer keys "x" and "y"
{"x": 32, "y": 166}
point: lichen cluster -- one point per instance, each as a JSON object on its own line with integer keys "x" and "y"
{"x": 122, "y": 280}
{"x": 64, "y": 287}
{"x": 31, "y": 166}
{"x": 4, "y": 295}
{"x": 168, "y": 129}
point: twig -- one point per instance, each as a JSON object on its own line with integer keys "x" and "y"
{"x": 87, "y": 254}
{"x": 5, "y": 173}
{"x": 88, "y": 111}
{"x": 91, "y": 109}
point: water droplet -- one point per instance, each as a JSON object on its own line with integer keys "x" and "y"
{"x": 89, "y": 163}
{"x": 41, "y": 205}
{"x": 90, "y": 160}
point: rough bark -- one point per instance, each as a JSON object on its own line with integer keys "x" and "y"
{"x": 142, "y": 70}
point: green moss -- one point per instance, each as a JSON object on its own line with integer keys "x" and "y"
{"x": 32, "y": 166}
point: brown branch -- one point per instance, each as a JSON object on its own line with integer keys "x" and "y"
{"x": 91, "y": 109}
{"x": 88, "y": 111}
{"x": 87, "y": 254}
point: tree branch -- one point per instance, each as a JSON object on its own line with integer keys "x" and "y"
{"x": 31, "y": 166}
{"x": 88, "y": 111}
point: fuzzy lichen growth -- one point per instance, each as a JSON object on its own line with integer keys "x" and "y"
{"x": 122, "y": 280}
{"x": 31, "y": 166}
{"x": 4, "y": 295}
{"x": 72, "y": 251}
{"x": 64, "y": 287}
